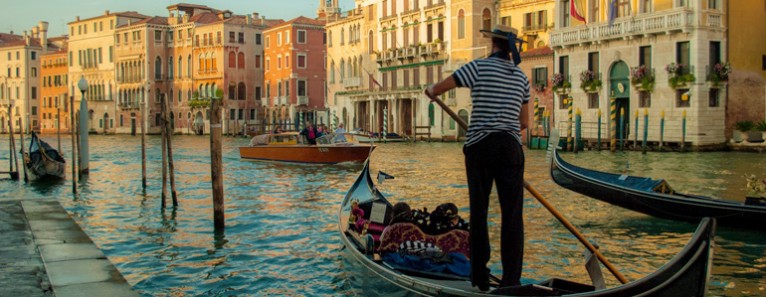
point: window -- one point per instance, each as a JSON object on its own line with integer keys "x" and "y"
{"x": 714, "y": 98}
{"x": 645, "y": 6}
{"x": 287, "y": 61}
{"x": 232, "y": 91}
{"x": 461, "y": 24}
{"x": 258, "y": 38}
{"x": 645, "y": 56}
{"x": 268, "y": 63}
{"x": 34, "y": 93}
{"x": 231, "y": 37}
{"x": 593, "y": 14}
{"x": 540, "y": 76}
{"x": 712, "y": 4}
{"x": 683, "y": 97}
{"x": 486, "y": 20}
{"x": 279, "y": 88}
{"x": 170, "y": 69}
{"x": 563, "y": 101}
{"x": 268, "y": 39}
{"x": 258, "y": 61}
{"x": 241, "y": 37}
{"x": 683, "y": 56}
{"x": 565, "y": 13}
{"x": 287, "y": 37}
{"x": 279, "y": 62}
{"x": 258, "y": 93}
{"x": 241, "y": 60}
{"x": 623, "y": 8}
{"x": 34, "y": 71}
{"x": 158, "y": 68}
{"x": 239, "y": 113}
{"x": 593, "y": 62}
{"x": 535, "y": 20}
{"x": 644, "y": 99}
{"x": 232, "y": 60}
{"x": 302, "y": 61}
{"x": 157, "y": 36}
{"x": 279, "y": 39}
{"x": 232, "y": 114}
{"x": 715, "y": 52}
{"x": 111, "y": 54}
{"x": 301, "y": 36}
{"x": 564, "y": 67}
{"x": 33, "y": 55}
{"x": 287, "y": 88}
{"x": 241, "y": 91}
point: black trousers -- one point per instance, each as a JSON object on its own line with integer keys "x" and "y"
{"x": 496, "y": 158}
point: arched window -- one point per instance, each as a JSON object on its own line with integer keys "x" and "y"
{"x": 232, "y": 91}
{"x": 180, "y": 64}
{"x": 157, "y": 96}
{"x": 241, "y": 60}
{"x": 158, "y": 68}
{"x": 241, "y": 91}
{"x": 332, "y": 72}
{"x": 201, "y": 63}
{"x": 212, "y": 90}
{"x": 370, "y": 43}
{"x": 342, "y": 69}
{"x": 232, "y": 60}
{"x": 486, "y": 20}
{"x": 342, "y": 35}
{"x": 170, "y": 68}
{"x": 188, "y": 66}
{"x": 460, "y": 24}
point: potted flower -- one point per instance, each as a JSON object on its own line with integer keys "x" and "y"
{"x": 678, "y": 78}
{"x": 540, "y": 87}
{"x": 559, "y": 84}
{"x": 761, "y": 126}
{"x": 755, "y": 133}
{"x": 719, "y": 75}
{"x": 741, "y": 129}
{"x": 642, "y": 78}
{"x": 589, "y": 82}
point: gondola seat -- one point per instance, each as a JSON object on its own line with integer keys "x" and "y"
{"x": 449, "y": 242}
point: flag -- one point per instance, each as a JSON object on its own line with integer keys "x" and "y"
{"x": 374, "y": 80}
{"x": 575, "y": 14}
{"x": 612, "y": 11}
{"x": 382, "y": 176}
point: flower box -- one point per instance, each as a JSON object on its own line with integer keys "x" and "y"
{"x": 642, "y": 78}
{"x": 718, "y": 75}
{"x": 590, "y": 82}
{"x": 680, "y": 76}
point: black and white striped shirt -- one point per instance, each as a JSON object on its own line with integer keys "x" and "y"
{"x": 498, "y": 89}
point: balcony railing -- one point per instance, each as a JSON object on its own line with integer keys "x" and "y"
{"x": 303, "y": 100}
{"x": 663, "y": 22}
{"x": 351, "y": 82}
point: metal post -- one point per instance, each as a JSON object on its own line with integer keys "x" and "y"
{"x": 598, "y": 134}
{"x": 646, "y": 128}
{"x": 84, "y": 160}
{"x": 662, "y": 129}
{"x": 74, "y": 144}
{"x": 683, "y": 132}
{"x": 635, "y": 136}
{"x": 578, "y": 130}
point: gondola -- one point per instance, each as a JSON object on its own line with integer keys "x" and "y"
{"x": 685, "y": 274}
{"x": 43, "y": 161}
{"x": 654, "y": 196}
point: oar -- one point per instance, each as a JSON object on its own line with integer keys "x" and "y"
{"x": 547, "y": 205}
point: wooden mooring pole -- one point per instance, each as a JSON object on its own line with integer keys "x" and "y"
{"x": 23, "y": 160}
{"x": 216, "y": 168}
{"x": 14, "y": 158}
{"x": 143, "y": 145}
{"x": 163, "y": 132}
{"x": 169, "y": 142}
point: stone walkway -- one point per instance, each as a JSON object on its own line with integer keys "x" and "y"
{"x": 43, "y": 252}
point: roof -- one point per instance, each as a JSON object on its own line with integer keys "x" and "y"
{"x": 301, "y": 20}
{"x": 536, "y": 52}
{"x": 129, "y": 14}
{"x": 204, "y": 18}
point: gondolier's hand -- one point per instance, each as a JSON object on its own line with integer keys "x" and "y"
{"x": 429, "y": 92}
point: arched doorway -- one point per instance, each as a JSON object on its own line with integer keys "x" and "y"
{"x": 199, "y": 123}
{"x": 106, "y": 122}
{"x": 133, "y": 123}
{"x": 619, "y": 89}
{"x": 463, "y": 114}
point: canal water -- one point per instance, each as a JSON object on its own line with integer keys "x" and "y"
{"x": 281, "y": 220}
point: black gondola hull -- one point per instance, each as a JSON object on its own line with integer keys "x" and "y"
{"x": 607, "y": 187}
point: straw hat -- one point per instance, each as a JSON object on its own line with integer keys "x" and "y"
{"x": 500, "y": 31}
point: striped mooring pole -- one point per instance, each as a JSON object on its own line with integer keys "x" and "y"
{"x": 662, "y": 128}
{"x": 613, "y": 124}
{"x": 683, "y": 132}
{"x": 598, "y": 133}
{"x": 635, "y": 137}
{"x": 536, "y": 123}
{"x": 646, "y": 128}
{"x": 578, "y": 130}
{"x": 385, "y": 123}
{"x": 569, "y": 123}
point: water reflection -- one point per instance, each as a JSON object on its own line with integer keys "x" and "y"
{"x": 280, "y": 236}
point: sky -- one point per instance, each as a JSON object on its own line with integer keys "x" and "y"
{"x": 20, "y": 15}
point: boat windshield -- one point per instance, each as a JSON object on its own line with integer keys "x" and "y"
{"x": 334, "y": 138}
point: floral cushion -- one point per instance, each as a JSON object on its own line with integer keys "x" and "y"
{"x": 452, "y": 241}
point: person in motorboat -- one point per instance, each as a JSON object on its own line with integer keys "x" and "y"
{"x": 493, "y": 152}
{"x": 340, "y": 134}
{"x": 277, "y": 130}
{"x": 310, "y": 132}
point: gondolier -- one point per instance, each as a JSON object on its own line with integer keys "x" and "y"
{"x": 493, "y": 151}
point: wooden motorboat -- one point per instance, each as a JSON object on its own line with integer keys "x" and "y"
{"x": 655, "y": 197}
{"x": 43, "y": 161}
{"x": 686, "y": 274}
{"x": 290, "y": 147}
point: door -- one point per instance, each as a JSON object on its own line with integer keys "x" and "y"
{"x": 619, "y": 88}
{"x": 405, "y": 117}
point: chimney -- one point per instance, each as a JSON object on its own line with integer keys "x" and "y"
{"x": 77, "y": 19}
{"x": 33, "y": 33}
{"x": 26, "y": 38}
{"x": 106, "y": 12}
{"x": 43, "y": 35}
{"x": 186, "y": 18}
{"x": 263, "y": 20}
{"x": 247, "y": 19}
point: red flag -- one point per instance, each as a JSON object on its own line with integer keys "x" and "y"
{"x": 373, "y": 79}
{"x": 575, "y": 14}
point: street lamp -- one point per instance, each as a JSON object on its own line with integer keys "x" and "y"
{"x": 83, "y": 86}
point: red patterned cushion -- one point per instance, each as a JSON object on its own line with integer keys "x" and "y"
{"x": 452, "y": 241}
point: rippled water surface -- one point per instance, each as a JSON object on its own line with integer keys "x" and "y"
{"x": 281, "y": 220}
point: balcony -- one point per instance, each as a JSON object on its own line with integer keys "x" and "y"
{"x": 128, "y": 105}
{"x": 351, "y": 82}
{"x": 663, "y": 22}
{"x": 303, "y": 100}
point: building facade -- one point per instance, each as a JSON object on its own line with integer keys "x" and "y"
{"x": 295, "y": 74}
{"x": 91, "y": 57}
{"x": 20, "y": 57}
{"x": 54, "y": 106}
{"x": 646, "y": 57}
{"x": 404, "y": 46}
